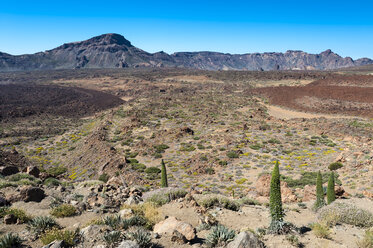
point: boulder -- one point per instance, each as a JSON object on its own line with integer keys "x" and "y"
{"x": 178, "y": 238}
{"x": 263, "y": 188}
{"x": 309, "y": 193}
{"x": 56, "y": 244}
{"x": 10, "y": 219}
{"x": 8, "y": 170}
{"x": 33, "y": 171}
{"x": 170, "y": 224}
{"x": 128, "y": 244}
{"x": 246, "y": 240}
{"x": 34, "y": 194}
{"x": 3, "y": 202}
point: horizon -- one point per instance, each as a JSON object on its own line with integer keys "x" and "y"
{"x": 235, "y": 28}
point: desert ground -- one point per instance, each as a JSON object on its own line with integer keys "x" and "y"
{"x": 91, "y": 142}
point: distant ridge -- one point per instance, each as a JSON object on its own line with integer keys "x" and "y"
{"x": 114, "y": 51}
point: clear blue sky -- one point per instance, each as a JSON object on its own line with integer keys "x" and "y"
{"x": 231, "y": 26}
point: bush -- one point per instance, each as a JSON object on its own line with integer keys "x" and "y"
{"x": 220, "y": 236}
{"x": 187, "y": 148}
{"x": 142, "y": 237}
{"x": 64, "y": 210}
{"x": 367, "y": 241}
{"x": 103, "y": 177}
{"x": 148, "y": 210}
{"x": 152, "y": 170}
{"x": 40, "y": 224}
{"x": 21, "y": 215}
{"x": 160, "y": 148}
{"x": 69, "y": 237}
{"x": 339, "y": 213}
{"x": 232, "y": 154}
{"x": 50, "y": 181}
{"x": 164, "y": 198}
{"x": 335, "y": 166}
{"x": 20, "y": 176}
{"x": 56, "y": 171}
{"x": 10, "y": 240}
{"x": 221, "y": 202}
{"x": 321, "y": 230}
{"x": 308, "y": 178}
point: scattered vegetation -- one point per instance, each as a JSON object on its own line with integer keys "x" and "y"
{"x": 10, "y": 240}
{"x": 68, "y": 236}
{"x": 142, "y": 237}
{"x": 219, "y": 236}
{"x": 321, "y": 230}
{"x": 40, "y": 224}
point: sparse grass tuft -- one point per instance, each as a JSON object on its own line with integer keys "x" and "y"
{"x": 68, "y": 236}
{"x": 64, "y": 210}
{"x": 321, "y": 230}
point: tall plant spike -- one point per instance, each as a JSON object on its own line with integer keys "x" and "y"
{"x": 330, "y": 192}
{"x": 164, "y": 183}
{"x": 275, "y": 203}
{"x": 320, "y": 201}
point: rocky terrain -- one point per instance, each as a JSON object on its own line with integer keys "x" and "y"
{"x": 85, "y": 173}
{"x": 114, "y": 51}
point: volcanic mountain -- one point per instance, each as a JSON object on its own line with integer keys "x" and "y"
{"x": 114, "y": 51}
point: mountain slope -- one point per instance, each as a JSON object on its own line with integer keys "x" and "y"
{"x": 114, "y": 51}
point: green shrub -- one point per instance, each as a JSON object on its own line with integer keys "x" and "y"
{"x": 232, "y": 154}
{"x": 20, "y": 176}
{"x": 160, "y": 148}
{"x": 335, "y": 166}
{"x": 342, "y": 213}
{"x": 256, "y": 146}
{"x": 275, "y": 202}
{"x": 103, "y": 177}
{"x": 308, "y": 178}
{"x": 210, "y": 171}
{"x": 64, "y": 210}
{"x": 219, "y": 236}
{"x": 56, "y": 171}
{"x": 164, "y": 198}
{"x": 139, "y": 167}
{"x": 187, "y": 148}
{"x": 21, "y": 215}
{"x": 321, "y": 230}
{"x": 142, "y": 237}
{"x": 221, "y": 202}
{"x": 10, "y": 240}
{"x": 152, "y": 170}
{"x": 50, "y": 181}
{"x": 69, "y": 237}
{"x": 40, "y": 224}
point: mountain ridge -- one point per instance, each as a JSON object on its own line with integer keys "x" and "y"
{"x": 114, "y": 51}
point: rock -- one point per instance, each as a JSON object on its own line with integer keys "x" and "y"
{"x": 3, "y": 202}
{"x": 125, "y": 212}
{"x": 91, "y": 233}
{"x": 263, "y": 187}
{"x": 34, "y": 194}
{"x": 339, "y": 191}
{"x": 177, "y": 237}
{"x": 128, "y": 244}
{"x": 10, "y": 219}
{"x": 8, "y": 170}
{"x": 114, "y": 181}
{"x": 309, "y": 193}
{"x": 170, "y": 224}
{"x": 246, "y": 240}
{"x": 56, "y": 244}
{"x": 133, "y": 199}
{"x": 33, "y": 171}
{"x": 368, "y": 194}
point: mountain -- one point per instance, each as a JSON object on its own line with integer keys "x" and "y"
{"x": 114, "y": 51}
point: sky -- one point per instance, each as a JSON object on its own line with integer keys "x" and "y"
{"x": 345, "y": 27}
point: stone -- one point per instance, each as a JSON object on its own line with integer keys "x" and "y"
{"x": 170, "y": 224}
{"x": 3, "y": 202}
{"x": 263, "y": 188}
{"x": 10, "y": 219}
{"x": 178, "y": 238}
{"x": 125, "y": 212}
{"x": 8, "y": 170}
{"x": 128, "y": 244}
{"x": 309, "y": 193}
{"x": 92, "y": 232}
{"x": 33, "y": 171}
{"x": 246, "y": 240}
{"x": 56, "y": 244}
{"x": 34, "y": 194}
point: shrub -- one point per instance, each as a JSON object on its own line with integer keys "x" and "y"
{"x": 69, "y": 237}
{"x": 56, "y": 171}
{"x": 21, "y": 215}
{"x": 114, "y": 221}
{"x": 210, "y": 171}
{"x": 148, "y": 210}
{"x": 152, "y": 170}
{"x": 339, "y": 213}
{"x": 20, "y": 176}
{"x": 294, "y": 241}
{"x": 321, "y": 230}
{"x": 103, "y": 177}
{"x": 187, "y": 148}
{"x": 164, "y": 182}
{"x": 220, "y": 202}
{"x": 164, "y": 198}
{"x": 64, "y": 210}
{"x": 160, "y": 148}
{"x": 112, "y": 238}
{"x": 320, "y": 201}
{"x": 307, "y": 178}
{"x": 142, "y": 237}
{"x": 330, "y": 193}
{"x": 335, "y": 166}
{"x": 367, "y": 241}
{"x": 220, "y": 236}
{"x": 40, "y": 224}
{"x": 232, "y": 154}
{"x": 10, "y": 240}
{"x": 275, "y": 202}
{"x": 50, "y": 181}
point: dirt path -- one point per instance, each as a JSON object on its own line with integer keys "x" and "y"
{"x": 282, "y": 113}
